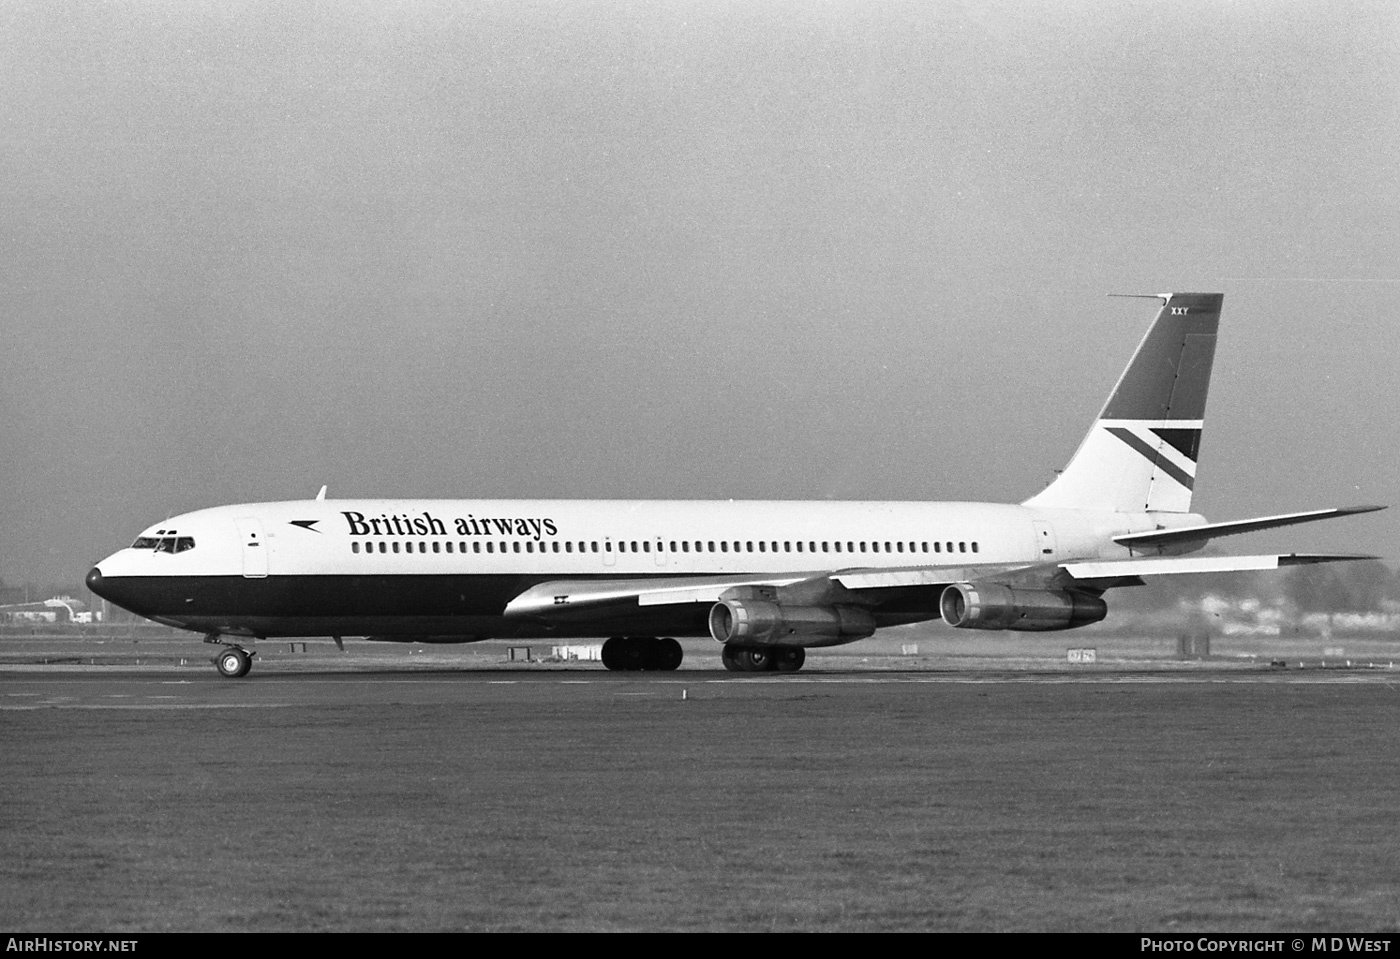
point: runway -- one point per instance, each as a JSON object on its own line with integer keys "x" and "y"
{"x": 568, "y": 798}
{"x": 87, "y": 687}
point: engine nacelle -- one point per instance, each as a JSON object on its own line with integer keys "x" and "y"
{"x": 763, "y": 623}
{"x": 994, "y": 606}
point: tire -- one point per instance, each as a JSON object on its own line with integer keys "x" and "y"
{"x": 789, "y": 659}
{"x": 233, "y": 662}
{"x": 669, "y": 655}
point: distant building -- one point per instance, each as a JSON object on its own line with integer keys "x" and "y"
{"x": 59, "y": 609}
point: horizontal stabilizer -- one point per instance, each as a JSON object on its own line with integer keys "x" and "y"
{"x": 1114, "y": 570}
{"x": 1208, "y": 531}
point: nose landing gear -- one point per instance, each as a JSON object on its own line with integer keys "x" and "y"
{"x": 233, "y": 661}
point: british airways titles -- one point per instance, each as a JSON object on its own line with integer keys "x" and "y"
{"x": 428, "y": 525}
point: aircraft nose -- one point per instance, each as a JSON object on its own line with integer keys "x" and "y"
{"x": 94, "y": 582}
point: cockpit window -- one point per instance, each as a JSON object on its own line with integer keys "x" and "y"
{"x": 164, "y": 544}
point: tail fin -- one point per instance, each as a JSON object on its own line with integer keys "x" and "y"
{"x": 1141, "y": 452}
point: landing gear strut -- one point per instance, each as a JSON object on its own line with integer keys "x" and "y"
{"x": 634, "y": 653}
{"x": 233, "y": 661}
{"x": 762, "y": 659}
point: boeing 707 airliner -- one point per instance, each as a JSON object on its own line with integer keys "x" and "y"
{"x": 768, "y": 580}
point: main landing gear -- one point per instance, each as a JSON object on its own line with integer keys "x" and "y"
{"x": 634, "y": 653}
{"x": 762, "y": 659}
{"x": 233, "y": 661}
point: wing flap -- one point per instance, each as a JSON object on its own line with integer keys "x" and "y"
{"x": 858, "y": 579}
{"x": 561, "y": 596}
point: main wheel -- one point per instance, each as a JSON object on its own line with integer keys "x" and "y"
{"x": 789, "y": 659}
{"x": 233, "y": 662}
{"x": 668, "y": 655}
{"x": 747, "y": 659}
{"x": 627, "y": 653}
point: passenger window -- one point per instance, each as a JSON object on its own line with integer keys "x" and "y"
{"x": 962, "y": 547}
{"x": 974, "y": 545}
{"x": 646, "y": 546}
{"x": 476, "y": 547}
{"x": 396, "y": 546}
{"x": 799, "y": 546}
{"x": 354, "y": 547}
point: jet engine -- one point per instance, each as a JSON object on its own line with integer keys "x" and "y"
{"x": 994, "y": 606}
{"x": 759, "y": 622}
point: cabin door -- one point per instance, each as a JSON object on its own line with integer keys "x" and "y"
{"x": 254, "y": 548}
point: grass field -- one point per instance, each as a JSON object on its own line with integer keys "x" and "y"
{"x": 614, "y": 804}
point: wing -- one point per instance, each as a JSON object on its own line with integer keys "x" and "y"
{"x": 904, "y": 592}
{"x": 564, "y": 598}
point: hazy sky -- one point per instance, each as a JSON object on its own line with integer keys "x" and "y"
{"x": 844, "y": 250}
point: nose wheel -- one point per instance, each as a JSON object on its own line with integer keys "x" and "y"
{"x": 232, "y": 661}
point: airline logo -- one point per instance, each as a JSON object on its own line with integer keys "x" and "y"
{"x": 425, "y": 524}
{"x": 1171, "y": 446}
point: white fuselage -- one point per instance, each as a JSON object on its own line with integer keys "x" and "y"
{"x": 451, "y": 567}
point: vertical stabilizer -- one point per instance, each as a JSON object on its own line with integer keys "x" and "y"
{"x": 1141, "y": 452}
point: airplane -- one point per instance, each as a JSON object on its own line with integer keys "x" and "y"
{"x": 767, "y": 579}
